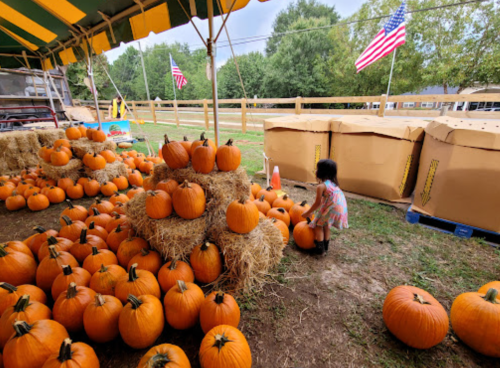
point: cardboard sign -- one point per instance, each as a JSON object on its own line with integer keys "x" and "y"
{"x": 117, "y": 131}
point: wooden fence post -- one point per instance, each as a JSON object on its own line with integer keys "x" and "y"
{"x": 205, "y": 111}
{"x": 134, "y": 111}
{"x": 381, "y": 110}
{"x": 176, "y": 113}
{"x": 153, "y": 111}
{"x": 244, "y": 115}
{"x": 298, "y": 105}
{"x": 99, "y": 111}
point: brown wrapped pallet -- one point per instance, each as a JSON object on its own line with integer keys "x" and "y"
{"x": 296, "y": 144}
{"x": 377, "y": 157}
{"x": 459, "y": 173}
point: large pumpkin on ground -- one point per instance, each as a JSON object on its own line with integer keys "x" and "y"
{"x": 73, "y": 355}
{"x": 490, "y": 285}
{"x": 165, "y": 356}
{"x": 223, "y": 347}
{"x": 269, "y": 195}
{"x": 172, "y": 271}
{"x": 415, "y": 317}
{"x": 70, "y": 305}
{"x": 284, "y": 202}
{"x": 206, "y": 262}
{"x": 129, "y": 248}
{"x": 104, "y": 281}
{"x": 50, "y": 267}
{"x": 280, "y": 214}
{"x": 219, "y": 309}
{"x": 182, "y": 305}
{"x": 32, "y": 344}
{"x": 296, "y": 212}
{"x": 100, "y": 318}
{"x": 304, "y": 235}
{"x": 16, "y": 267}
{"x": 10, "y": 294}
{"x": 141, "y": 321}
{"x": 475, "y": 318}
{"x": 78, "y": 275}
{"x": 242, "y": 216}
{"x": 137, "y": 282}
{"x": 189, "y": 200}
{"x": 148, "y": 260}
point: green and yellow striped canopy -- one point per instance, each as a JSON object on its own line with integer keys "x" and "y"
{"x": 44, "y": 33}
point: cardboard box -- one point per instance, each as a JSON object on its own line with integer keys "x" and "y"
{"x": 296, "y": 144}
{"x": 377, "y": 157}
{"x": 459, "y": 174}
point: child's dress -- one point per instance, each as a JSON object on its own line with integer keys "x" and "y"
{"x": 333, "y": 208}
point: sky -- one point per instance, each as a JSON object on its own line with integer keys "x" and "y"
{"x": 256, "y": 19}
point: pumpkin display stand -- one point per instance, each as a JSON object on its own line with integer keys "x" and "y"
{"x": 248, "y": 258}
{"x": 70, "y": 170}
{"x": 108, "y": 173}
{"x": 84, "y": 145}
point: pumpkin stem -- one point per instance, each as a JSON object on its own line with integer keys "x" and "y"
{"x": 303, "y": 203}
{"x": 285, "y": 197}
{"x": 185, "y": 139}
{"x": 219, "y": 297}
{"x": 159, "y": 361}
{"x": 116, "y": 193}
{"x": 65, "y": 351}
{"x": 205, "y": 246}
{"x": 167, "y": 141}
{"x": 173, "y": 264}
{"x": 39, "y": 229}
{"x": 205, "y": 143}
{"x": 230, "y": 142}
{"x": 118, "y": 229}
{"x": 83, "y": 236}
{"x": 130, "y": 237}
{"x": 136, "y": 303}
{"x": 52, "y": 241}
{"x": 269, "y": 188}
{"x": 70, "y": 204}
{"x": 308, "y": 220}
{"x": 420, "y": 299}
{"x": 98, "y": 200}
{"x": 262, "y": 198}
{"x": 202, "y": 136}
{"x": 96, "y": 211}
{"x": 99, "y": 300}
{"x": 67, "y": 220}
{"x": 220, "y": 341}
{"x": 67, "y": 270}
{"x": 103, "y": 268}
{"x": 6, "y": 286}
{"x": 242, "y": 200}
{"x": 21, "y": 328}
{"x": 182, "y": 286}
{"x": 282, "y": 210}
{"x": 22, "y": 303}
{"x": 116, "y": 215}
{"x": 3, "y": 252}
{"x": 273, "y": 220}
{"x": 92, "y": 225}
{"x": 71, "y": 293}
{"x": 491, "y": 296}
{"x": 132, "y": 273}
{"x": 95, "y": 251}
{"x": 53, "y": 253}
{"x": 144, "y": 252}
{"x": 186, "y": 184}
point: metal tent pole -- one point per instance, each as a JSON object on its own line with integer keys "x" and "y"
{"x": 144, "y": 71}
{"x": 94, "y": 91}
{"x": 211, "y": 53}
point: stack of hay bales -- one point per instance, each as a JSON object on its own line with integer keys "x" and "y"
{"x": 248, "y": 257}
{"x": 84, "y": 145}
{"x": 19, "y": 149}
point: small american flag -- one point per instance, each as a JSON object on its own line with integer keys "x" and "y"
{"x": 180, "y": 80}
{"x": 391, "y": 36}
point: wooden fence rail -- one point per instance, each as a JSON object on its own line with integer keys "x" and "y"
{"x": 199, "y": 112}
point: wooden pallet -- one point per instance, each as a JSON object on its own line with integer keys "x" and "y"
{"x": 451, "y": 227}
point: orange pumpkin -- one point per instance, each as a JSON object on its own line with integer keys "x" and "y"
{"x": 34, "y": 242}
{"x": 148, "y": 260}
{"x": 28, "y": 192}
{"x": 92, "y": 188}
{"x": 64, "y": 183}
{"x": 102, "y": 206}
{"x": 56, "y": 195}
{"x": 98, "y": 218}
{"x": 182, "y": 305}
{"x": 164, "y": 356}
{"x": 75, "y": 191}
{"x": 134, "y": 191}
{"x": 59, "y": 157}
{"x": 135, "y": 178}
{"x": 283, "y": 228}
{"x": 5, "y": 191}
{"x": 296, "y": 212}
{"x": 199, "y": 142}
{"x": 116, "y": 236}
{"x": 218, "y": 309}
{"x": 97, "y": 230}
{"x": 189, "y": 200}
{"x": 242, "y": 216}
{"x": 174, "y": 154}
{"x": 104, "y": 280}
{"x": 284, "y": 202}
{"x": 73, "y": 355}
{"x": 100, "y": 318}
{"x": 225, "y": 346}
{"x": 72, "y": 133}
{"x": 10, "y": 294}
{"x": 38, "y": 202}
{"x": 82, "y": 248}
{"x": 203, "y": 158}
{"x": 146, "y": 167}
{"x": 118, "y": 197}
{"x": 129, "y": 248}
{"x": 206, "y": 262}
{"x": 158, "y": 204}
{"x": 83, "y": 130}
{"x": 172, "y": 271}
{"x": 70, "y": 305}
{"x": 304, "y": 235}
{"x": 228, "y": 157}
{"x": 269, "y": 195}
{"x": 280, "y": 214}
{"x": 78, "y": 275}
{"x": 61, "y": 244}
{"x": 137, "y": 282}
{"x": 50, "y": 267}
{"x": 108, "y": 156}
{"x": 121, "y": 182}
{"x": 98, "y": 258}
{"x": 490, "y": 285}
{"x": 98, "y": 136}
{"x": 148, "y": 184}
{"x": 108, "y": 189}
{"x": 262, "y": 205}
{"x": 72, "y": 229}
{"x": 16, "y": 267}
{"x": 168, "y": 186}
{"x": 15, "y": 201}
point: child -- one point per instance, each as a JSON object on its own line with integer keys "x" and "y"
{"x": 331, "y": 203}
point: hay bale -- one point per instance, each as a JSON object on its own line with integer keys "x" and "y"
{"x": 70, "y": 170}
{"x": 173, "y": 237}
{"x": 18, "y": 150}
{"x": 47, "y": 137}
{"x": 221, "y": 188}
{"x": 248, "y": 258}
{"x": 84, "y": 145}
{"x": 108, "y": 173}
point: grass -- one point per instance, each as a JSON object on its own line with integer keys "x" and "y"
{"x": 250, "y": 144}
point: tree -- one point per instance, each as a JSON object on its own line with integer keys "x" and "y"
{"x": 301, "y": 9}
{"x": 298, "y": 67}
{"x": 125, "y": 71}
{"x": 252, "y": 67}
{"x": 77, "y": 72}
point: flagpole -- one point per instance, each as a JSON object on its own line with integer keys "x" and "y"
{"x": 390, "y": 75}
{"x": 172, "y": 74}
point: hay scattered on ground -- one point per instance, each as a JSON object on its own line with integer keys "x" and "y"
{"x": 84, "y": 145}
{"x": 108, "y": 173}
{"x": 221, "y": 188}
{"x": 47, "y": 137}
{"x": 173, "y": 237}
{"x": 248, "y": 258}
{"x": 70, "y": 170}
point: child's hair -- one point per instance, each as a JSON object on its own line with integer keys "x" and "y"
{"x": 327, "y": 170}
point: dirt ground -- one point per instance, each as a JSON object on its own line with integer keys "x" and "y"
{"x": 326, "y": 312}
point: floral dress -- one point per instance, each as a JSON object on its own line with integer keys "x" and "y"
{"x": 333, "y": 208}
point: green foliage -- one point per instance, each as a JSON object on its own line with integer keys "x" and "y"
{"x": 77, "y": 73}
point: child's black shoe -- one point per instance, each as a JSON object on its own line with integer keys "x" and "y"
{"x": 319, "y": 247}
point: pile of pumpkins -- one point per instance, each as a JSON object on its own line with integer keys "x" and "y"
{"x": 106, "y": 281}
{"x": 417, "y": 319}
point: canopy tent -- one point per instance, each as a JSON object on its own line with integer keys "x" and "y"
{"x": 44, "y": 33}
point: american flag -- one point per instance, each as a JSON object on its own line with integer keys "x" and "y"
{"x": 180, "y": 80}
{"x": 391, "y": 36}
